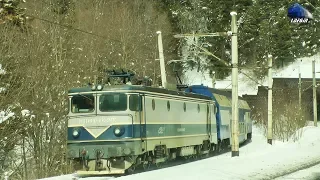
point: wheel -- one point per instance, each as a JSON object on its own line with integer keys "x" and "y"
{"x": 146, "y": 167}
{"x": 130, "y": 170}
{"x": 195, "y": 157}
{"x": 187, "y": 158}
{"x": 159, "y": 165}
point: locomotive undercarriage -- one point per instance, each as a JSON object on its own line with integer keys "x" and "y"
{"x": 161, "y": 154}
{"x": 128, "y": 164}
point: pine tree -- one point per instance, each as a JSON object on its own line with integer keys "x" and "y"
{"x": 264, "y": 28}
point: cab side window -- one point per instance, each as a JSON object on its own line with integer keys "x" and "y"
{"x": 135, "y": 102}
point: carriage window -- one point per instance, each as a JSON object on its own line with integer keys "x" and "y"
{"x": 82, "y": 103}
{"x": 135, "y": 102}
{"x": 113, "y": 102}
{"x": 168, "y": 105}
{"x": 184, "y": 107}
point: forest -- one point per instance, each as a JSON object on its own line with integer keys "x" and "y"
{"x": 50, "y": 46}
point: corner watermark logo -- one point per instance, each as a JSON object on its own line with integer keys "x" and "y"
{"x": 299, "y": 14}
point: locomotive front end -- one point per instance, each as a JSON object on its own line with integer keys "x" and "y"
{"x": 102, "y": 138}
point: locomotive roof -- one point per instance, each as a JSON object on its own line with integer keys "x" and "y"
{"x": 140, "y": 88}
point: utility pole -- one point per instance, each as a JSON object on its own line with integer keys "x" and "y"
{"x": 235, "y": 113}
{"x": 270, "y": 99}
{"x": 314, "y": 93}
{"x": 299, "y": 85}
{"x": 162, "y": 64}
{"x": 213, "y": 77}
{"x": 235, "y": 110}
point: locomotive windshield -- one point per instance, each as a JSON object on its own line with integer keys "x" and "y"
{"x": 113, "y": 102}
{"x": 82, "y": 103}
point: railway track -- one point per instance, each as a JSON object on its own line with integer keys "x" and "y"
{"x": 294, "y": 169}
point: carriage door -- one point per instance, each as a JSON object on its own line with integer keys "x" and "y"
{"x": 209, "y": 120}
{"x": 136, "y": 105}
{"x": 143, "y": 122}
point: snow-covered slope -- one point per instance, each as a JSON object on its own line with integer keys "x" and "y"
{"x": 247, "y": 86}
{"x": 257, "y": 160}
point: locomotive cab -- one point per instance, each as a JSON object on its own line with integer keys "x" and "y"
{"x": 104, "y": 128}
{"x": 105, "y": 102}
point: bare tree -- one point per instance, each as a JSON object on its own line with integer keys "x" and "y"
{"x": 52, "y": 55}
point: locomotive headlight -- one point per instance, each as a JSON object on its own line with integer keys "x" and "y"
{"x": 93, "y": 87}
{"x": 99, "y": 87}
{"x": 76, "y": 133}
{"x": 118, "y": 131}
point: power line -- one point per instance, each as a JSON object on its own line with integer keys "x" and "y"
{"x": 72, "y": 28}
{"x": 253, "y": 79}
{"x": 228, "y": 86}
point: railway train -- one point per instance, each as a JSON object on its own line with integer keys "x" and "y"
{"x": 113, "y": 129}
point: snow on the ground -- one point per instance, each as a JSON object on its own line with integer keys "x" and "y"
{"x": 74, "y": 177}
{"x": 247, "y": 86}
{"x": 257, "y": 160}
{"x": 312, "y": 173}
